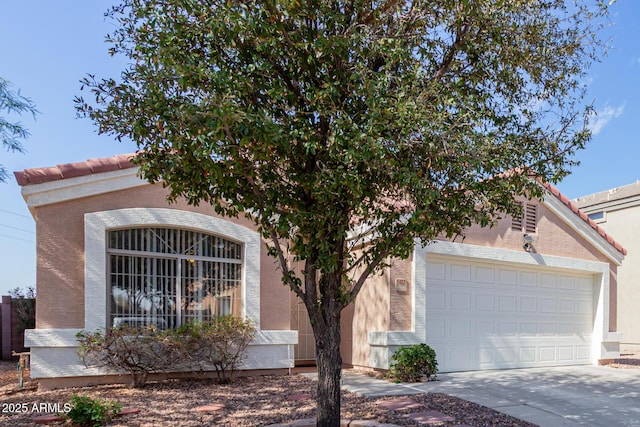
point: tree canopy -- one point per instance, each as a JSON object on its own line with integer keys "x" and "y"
{"x": 11, "y": 102}
{"x": 348, "y": 129}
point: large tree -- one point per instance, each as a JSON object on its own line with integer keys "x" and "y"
{"x": 349, "y": 130}
{"x": 11, "y": 133}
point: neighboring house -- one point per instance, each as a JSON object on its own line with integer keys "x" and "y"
{"x": 533, "y": 291}
{"x": 618, "y": 210}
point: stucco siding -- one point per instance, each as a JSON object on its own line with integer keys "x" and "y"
{"x": 59, "y": 269}
{"x": 552, "y": 237}
{"x": 274, "y": 295}
{"x": 625, "y": 225}
{"x": 73, "y": 216}
{"x": 72, "y": 269}
{"x": 60, "y": 266}
{"x": 370, "y": 313}
{"x": 400, "y": 292}
{"x": 560, "y": 238}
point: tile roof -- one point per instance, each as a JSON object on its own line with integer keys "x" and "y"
{"x": 71, "y": 170}
{"x": 123, "y": 161}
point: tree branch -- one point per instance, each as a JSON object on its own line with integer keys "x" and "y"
{"x": 276, "y": 14}
{"x": 377, "y": 12}
{"x": 286, "y": 273}
{"x": 461, "y": 33}
{"x": 380, "y": 256}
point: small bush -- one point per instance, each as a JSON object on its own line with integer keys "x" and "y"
{"x": 220, "y": 344}
{"x": 411, "y": 363}
{"x": 137, "y": 351}
{"x": 88, "y": 412}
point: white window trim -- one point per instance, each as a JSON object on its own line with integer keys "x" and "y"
{"x": 598, "y": 220}
{"x": 97, "y": 224}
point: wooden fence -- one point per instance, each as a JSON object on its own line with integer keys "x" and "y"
{"x": 10, "y": 339}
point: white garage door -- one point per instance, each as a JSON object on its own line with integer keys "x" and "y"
{"x": 496, "y": 316}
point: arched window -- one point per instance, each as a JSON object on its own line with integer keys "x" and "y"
{"x": 170, "y": 276}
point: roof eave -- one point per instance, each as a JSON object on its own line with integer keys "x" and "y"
{"x": 56, "y": 191}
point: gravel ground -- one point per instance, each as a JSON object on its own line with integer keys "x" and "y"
{"x": 627, "y": 361}
{"x": 251, "y": 401}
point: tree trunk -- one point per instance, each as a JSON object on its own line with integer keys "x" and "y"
{"x": 325, "y": 320}
{"x": 329, "y": 363}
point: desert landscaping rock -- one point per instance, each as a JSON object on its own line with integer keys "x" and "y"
{"x": 252, "y": 401}
{"x": 300, "y": 396}
{"x": 214, "y": 407}
{"x": 47, "y": 419}
{"x": 430, "y": 417}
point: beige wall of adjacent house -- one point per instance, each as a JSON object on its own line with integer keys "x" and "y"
{"x": 624, "y": 224}
{"x": 60, "y": 262}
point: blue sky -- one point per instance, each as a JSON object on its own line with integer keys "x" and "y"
{"x": 46, "y": 47}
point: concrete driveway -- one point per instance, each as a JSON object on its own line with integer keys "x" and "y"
{"x": 559, "y": 396}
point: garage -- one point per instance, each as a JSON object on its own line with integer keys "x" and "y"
{"x": 494, "y": 315}
{"x": 535, "y": 291}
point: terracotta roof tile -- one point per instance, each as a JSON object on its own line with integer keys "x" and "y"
{"x": 40, "y": 175}
{"x": 123, "y": 161}
{"x": 71, "y": 170}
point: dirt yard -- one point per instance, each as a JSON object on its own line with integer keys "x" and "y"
{"x": 253, "y": 401}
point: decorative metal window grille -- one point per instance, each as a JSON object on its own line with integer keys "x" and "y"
{"x": 168, "y": 277}
{"x": 528, "y": 222}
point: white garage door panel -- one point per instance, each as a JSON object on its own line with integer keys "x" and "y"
{"x": 494, "y": 316}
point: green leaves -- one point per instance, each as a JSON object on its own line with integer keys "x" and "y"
{"x": 411, "y": 363}
{"x": 348, "y": 130}
{"x": 89, "y": 412}
{"x": 318, "y": 116}
{"x": 11, "y": 133}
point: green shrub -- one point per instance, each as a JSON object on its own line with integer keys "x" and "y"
{"x": 88, "y": 412}
{"x": 136, "y": 351}
{"x": 411, "y": 363}
{"x": 220, "y": 344}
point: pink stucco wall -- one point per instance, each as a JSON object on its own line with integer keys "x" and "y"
{"x": 553, "y": 237}
{"x": 60, "y": 259}
{"x": 370, "y": 312}
{"x": 378, "y": 307}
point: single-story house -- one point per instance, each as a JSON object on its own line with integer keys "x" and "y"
{"x": 618, "y": 209}
{"x": 539, "y": 290}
